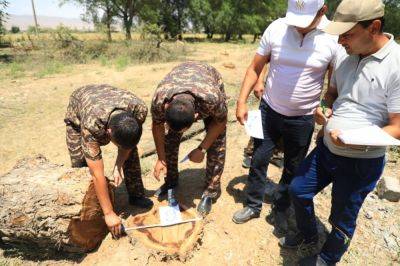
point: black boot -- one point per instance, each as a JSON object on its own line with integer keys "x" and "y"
{"x": 162, "y": 191}
{"x": 315, "y": 260}
{"x": 245, "y": 215}
{"x": 204, "y": 206}
{"x": 141, "y": 202}
{"x": 295, "y": 241}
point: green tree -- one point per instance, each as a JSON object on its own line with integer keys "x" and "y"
{"x": 127, "y": 10}
{"x": 15, "y": 29}
{"x": 203, "y": 16}
{"x": 174, "y": 17}
{"x": 392, "y": 17}
{"x": 332, "y": 5}
{"x": 3, "y": 15}
{"x": 92, "y": 8}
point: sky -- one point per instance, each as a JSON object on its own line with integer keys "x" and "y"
{"x": 44, "y": 8}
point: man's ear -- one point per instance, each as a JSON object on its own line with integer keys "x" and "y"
{"x": 376, "y": 26}
{"x": 109, "y": 131}
{"x": 196, "y": 115}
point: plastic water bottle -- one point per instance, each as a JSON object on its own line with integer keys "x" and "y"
{"x": 171, "y": 198}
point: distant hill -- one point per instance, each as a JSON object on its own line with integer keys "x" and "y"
{"x": 24, "y": 21}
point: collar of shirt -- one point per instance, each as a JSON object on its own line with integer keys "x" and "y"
{"x": 385, "y": 50}
{"x": 323, "y": 23}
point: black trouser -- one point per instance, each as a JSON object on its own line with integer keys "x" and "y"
{"x": 296, "y": 132}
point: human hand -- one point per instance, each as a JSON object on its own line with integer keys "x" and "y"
{"x": 322, "y": 115}
{"x": 241, "y": 112}
{"x": 258, "y": 90}
{"x": 196, "y": 155}
{"x": 113, "y": 223}
{"x": 160, "y": 167}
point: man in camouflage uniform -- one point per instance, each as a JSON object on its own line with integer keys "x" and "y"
{"x": 96, "y": 115}
{"x": 196, "y": 91}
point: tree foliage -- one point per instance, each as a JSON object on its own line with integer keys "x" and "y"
{"x": 3, "y": 15}
{"x": 229, "y": 18}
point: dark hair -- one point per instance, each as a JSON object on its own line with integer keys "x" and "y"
{"x": 366, "y": 23}
{"x": 180, "y": 114}
{"x": 125, "y": 130}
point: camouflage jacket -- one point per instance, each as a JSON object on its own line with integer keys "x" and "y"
{"x": 200, "y": 80}
{"x": 89, "y": 111}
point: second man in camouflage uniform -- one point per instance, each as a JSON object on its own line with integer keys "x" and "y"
{"x": 191, "y": 91}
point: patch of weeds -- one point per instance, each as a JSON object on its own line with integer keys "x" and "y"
{"x": 16, "y": 70}
{"x": 104, "y": 61}
{"x": 50, "y": 68}
{"x": 121, "y": 63}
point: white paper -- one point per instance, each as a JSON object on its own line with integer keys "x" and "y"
{"x": 170, "y": 215}
{"x": 185, "y": 159}
{"x": 253, "y": 125}
{"x": 368, "y": 136}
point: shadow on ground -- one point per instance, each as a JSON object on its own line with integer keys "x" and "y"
{"x": 289, "y": 257}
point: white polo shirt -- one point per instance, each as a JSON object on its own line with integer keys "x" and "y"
{"x": 297, "y": 66}
{"x": 368, "y": 90}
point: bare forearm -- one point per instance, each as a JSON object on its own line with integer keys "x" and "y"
{"x": 393, "y": 131}
{"x": 216, "y": 128}
{"x": 393, "y": 128}
{"x": 100, "y": 185}
{"x": 159, "y": 140}
{"x": 249, "y": 81}
{"x": 252, "y": 76}
{"x": 329, "y": 98}
{"x": 122, "y": 157}
{"x": 261, "y": 77}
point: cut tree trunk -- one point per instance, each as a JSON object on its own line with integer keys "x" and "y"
{"x": 51, "y": 207}
{"x": 178, "y": 240}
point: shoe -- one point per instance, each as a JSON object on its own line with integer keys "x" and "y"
{"x": 297, "y": 241}
{"x": 246, "y": 162}
{"x": 204, "y": 206}
{"x": 277, "y": 161}
{"x": 315, "y": 260}
{"x": 141, "y": 202}
{"x": 245, "y": 215}
{"x": 214, "y": 194}
{"x": 162, "y": 192}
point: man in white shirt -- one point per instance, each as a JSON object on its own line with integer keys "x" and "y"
{"x": 299, "y": 54}
{"x": 364, "y": 91}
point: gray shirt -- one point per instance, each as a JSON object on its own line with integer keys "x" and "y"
{"x": 368, "y": 90}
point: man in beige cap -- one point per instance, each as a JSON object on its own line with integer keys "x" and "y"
{"x": 364, "y": 91}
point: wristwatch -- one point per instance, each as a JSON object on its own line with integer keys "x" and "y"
{"x": 204, "y": 151}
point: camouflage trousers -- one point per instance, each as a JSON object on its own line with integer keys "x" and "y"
{"x": 215, "y": 160}
{"x": 131, "y": 167}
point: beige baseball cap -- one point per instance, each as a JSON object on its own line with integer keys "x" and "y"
{"x": 350, "y": 12}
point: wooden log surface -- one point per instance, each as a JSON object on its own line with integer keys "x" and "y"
{"x": 50, "y": 206}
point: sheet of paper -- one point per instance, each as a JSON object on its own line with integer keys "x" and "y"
{"x": 170, "y": 215}
{"x": 368, "y": 136}
{"x": 184, "y": 159}
{"x": 253, "y": 125}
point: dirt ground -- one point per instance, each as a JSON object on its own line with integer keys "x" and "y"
{"x": 31, "y": 122}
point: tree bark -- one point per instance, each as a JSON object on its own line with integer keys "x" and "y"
{"x": 109, "y": 38}
{"x": 255, "y": 36}
{"x": 228, "y": 36}
{"x": 49, "y": 206}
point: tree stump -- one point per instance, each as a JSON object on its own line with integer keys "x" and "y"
{"x": 172, "y": 240}
{"x": 50, "y": 206}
